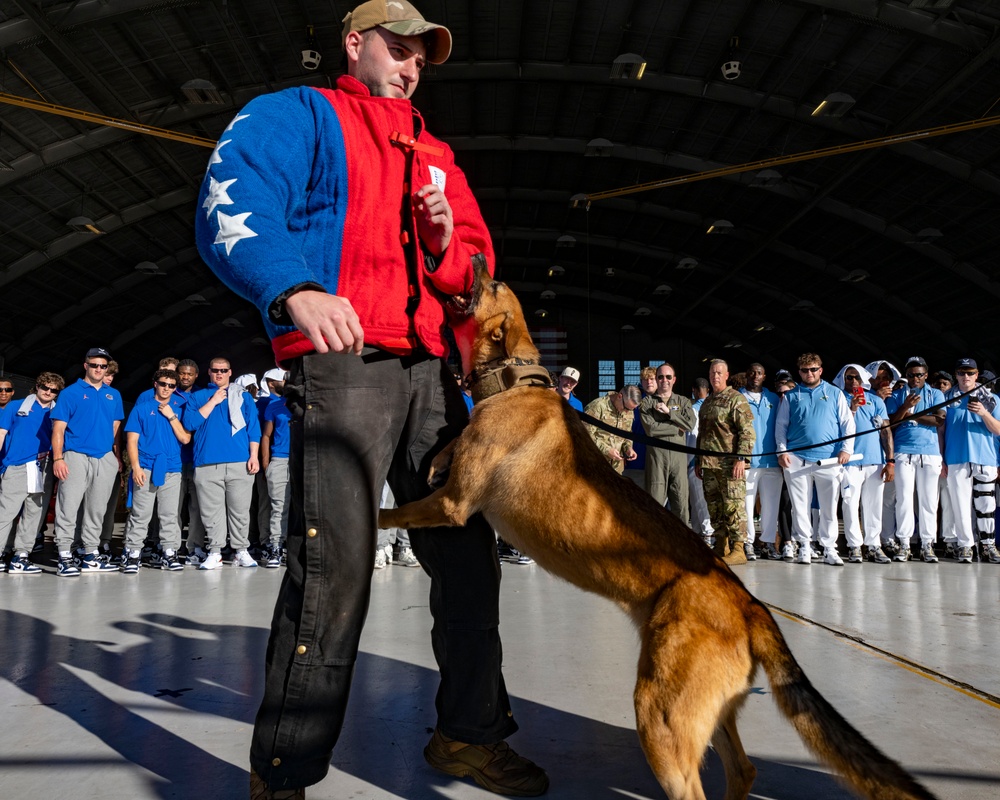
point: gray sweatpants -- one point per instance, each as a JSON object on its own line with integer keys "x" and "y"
{"x": 224, "y": 494}
{"x": 196, "y": 529}
{"x": 167, "y": 501}
{"x": 14, "y": 498}
{"x": 88, "y": 484}
{"x": 280, "y": 493}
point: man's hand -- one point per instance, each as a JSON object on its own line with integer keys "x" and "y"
{"x": 739, "y": 470}
{"x": 327, "y": 320}
{"x": 888, "y": 473}
{"x": 843, "y": 457}
{"x": 60, "y": 470}
{"x": 614, "y": 455}
{"x": 977, "y": 408}
{"x": 663, "y": 408}
{"x": 910, "y": 403}
{"x": 944, "y": 471}
{"x": 253, "y": 465}
{"x": 630, "y": 454}
{"x": 138, "y": 477}
{"x": 434, "y": 221}
{"x": 857, "y": 401}
{"x": 167, "y": 410}
{"x": 784, "y": 461}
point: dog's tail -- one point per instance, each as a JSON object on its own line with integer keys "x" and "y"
{"x": 831, "y": 738}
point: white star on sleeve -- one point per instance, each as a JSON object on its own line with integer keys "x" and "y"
{"x": 217, "y": 195}
{"x": 216, "y": 158}
{"x": 233, "y": 229}
{"x": 236, "y": 119}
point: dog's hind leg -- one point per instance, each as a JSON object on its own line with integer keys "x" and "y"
{"x": 677, "y": 707}
{"x": 740, "y": 773}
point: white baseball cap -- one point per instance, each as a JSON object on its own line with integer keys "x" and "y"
{"x": 571, "y": 373}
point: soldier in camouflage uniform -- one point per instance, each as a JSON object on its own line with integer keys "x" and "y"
{"x": 725, "y": 425}
{"x": 615, "y": 408}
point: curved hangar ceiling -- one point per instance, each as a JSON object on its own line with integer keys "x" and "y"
{"x": 878, "y": 252}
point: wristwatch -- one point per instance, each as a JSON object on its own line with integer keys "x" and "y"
{"x": 890, "y": 461}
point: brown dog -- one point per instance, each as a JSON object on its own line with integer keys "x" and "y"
{"x": 702, "y": 633}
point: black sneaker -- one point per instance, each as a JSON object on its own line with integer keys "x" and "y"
{"x": 171, "y": 562}
{"x": 130, "y": 564}
{"x": 495, "y": 767}
{"x": 67, "y": 568}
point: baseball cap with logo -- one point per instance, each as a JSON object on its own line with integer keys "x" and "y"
{"x": 403, "y": 19}
{"x": 98, "y": 352}
{"x": 571, "y": 373}
{"x": 914, "y": 361}
{"x": 966, "y": 363}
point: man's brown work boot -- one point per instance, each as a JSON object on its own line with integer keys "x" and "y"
{"x": 495, "y": 767}
{"x": 259, "y": 790}
{"x": 736, "y": 555}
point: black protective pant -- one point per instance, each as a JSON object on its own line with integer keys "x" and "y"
{"x": 356, "y": 422}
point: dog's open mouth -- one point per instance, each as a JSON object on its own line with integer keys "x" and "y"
{"x": 464, "y": 305}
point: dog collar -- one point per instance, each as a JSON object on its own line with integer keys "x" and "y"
{"x": 494, "y": 380}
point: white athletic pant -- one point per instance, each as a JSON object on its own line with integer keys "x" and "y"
{"x": 767, "y": 482}
{"x": 948, "y": 531}
{"x": 800, "y": 478}
{"x": 972, "y": 496}
{"x": 888, "y": 511}
{"x": 700, "y": 522}
{"x": 917, "y": 473}
{"x": 864, "y": 497}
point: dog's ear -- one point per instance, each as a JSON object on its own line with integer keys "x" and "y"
{"x": 495, "y": 326}
{"x": 513, "y": 331}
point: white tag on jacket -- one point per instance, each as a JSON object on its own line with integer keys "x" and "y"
{"x": 438, "y": 177}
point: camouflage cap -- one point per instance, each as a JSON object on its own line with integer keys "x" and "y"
{"x": 402, "y": 19}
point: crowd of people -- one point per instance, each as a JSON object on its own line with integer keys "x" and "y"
{"x": 208, "y": 456}
{"x": 902, "y": 457}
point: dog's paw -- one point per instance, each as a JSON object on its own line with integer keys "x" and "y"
{"x": 385, "y": 518}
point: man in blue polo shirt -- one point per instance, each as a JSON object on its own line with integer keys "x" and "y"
{"x": 226, "y": 438}
{"x": 918, "y": 458}
{"x": 154, "y": 435}
{"x": 764, "y": 474}
{"x": 568, "y": 380}
{"x": 26, "y": 468}
{"x": 274, "y": 448}
{"x": 814, "y": 413}
{"x": 867, "y": 477}
{"x": 85, "y": 426}
{"x": 971, "y": 428}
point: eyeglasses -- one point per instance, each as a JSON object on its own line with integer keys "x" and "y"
{"x": 164, "y": 385}
{"x": 210, "y": 369}
{"x": 664, "y": 377}
{"x": 916, "y": 374}
{"x": 5, "y": 389}
{"x": 852, "y": 377}
{"x": 957, "y": 372}
{"x": 810, "y": 369}
{"x": 96, "y": 366}
{"x": 52, "y": 389}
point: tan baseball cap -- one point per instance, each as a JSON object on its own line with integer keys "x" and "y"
{"x": 403, "y": 19}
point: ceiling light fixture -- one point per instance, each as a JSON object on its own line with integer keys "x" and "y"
{"x": 84, "y": 225}
{"x": 834, "y": 105}
{"x": 149, "y": 268}
{"x": 733, "y": 343}
{"x": 687, "y": 264}
{"x": 720, "y": 226}
{"x": 197, "y": 300}
{"x": 311, "y": 56}
{"x": 766, "y": 178}
{"x": 198, "y": 91}
{"x": 642, "y": 311}
{"x": 855, "y": 276}
{"x": 541, "y": 312}
{"x": 599, "y": 148}
{"x": 548, "y": 294}
{"x": 628, "y": 66}
{"x": 609, "y": 272}
{"x": 232, "y": 322}
{"x": 556, "y": 271}
{"x": 580, "y": 201}
{"x": 566, "y": 241}
{"x": 732, "y": 68}
{"x": 803, "y": 305}
{"x": 764, "y": 326}
{"x": 662, "y": 290}
{"x": 926, "y": 236}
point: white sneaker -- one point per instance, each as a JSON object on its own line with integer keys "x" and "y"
{"x": 788, "y": 551}
{"x": 380, "y": 558}
{"x": 212, "y": 561}
{"x": 243, "y": 559}
{"x": 805, "y": 554}
{"x": 832, "y": 557}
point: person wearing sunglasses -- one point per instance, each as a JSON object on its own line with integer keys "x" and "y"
{"x": 85, "y": 426}
{"x": 918, "y": 458}
{"x": 812, "y": 415}
{"x": 26, "y": 468}
{"x": 6, "y": 392}
{"x": 226, "y": 430}
{"x": 154, "y": 435}
{"x": 971, "y": 428}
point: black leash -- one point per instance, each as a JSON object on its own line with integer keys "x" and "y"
{"x": 650, "y": 441}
